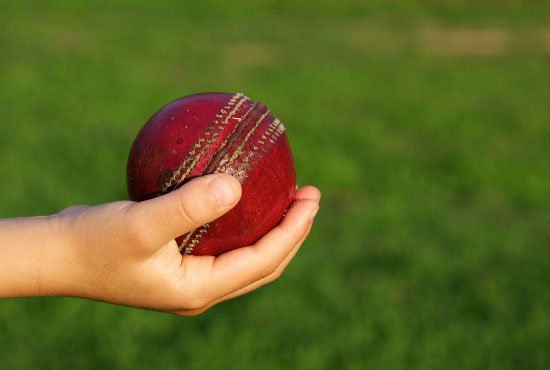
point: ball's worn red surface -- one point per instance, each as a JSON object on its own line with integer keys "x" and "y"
{"x": 211, "y": 133}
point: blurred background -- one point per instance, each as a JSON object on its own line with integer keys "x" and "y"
{"x": 426, "y": 125}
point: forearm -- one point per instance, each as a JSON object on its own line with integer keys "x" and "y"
{"x": 33, "y": 259}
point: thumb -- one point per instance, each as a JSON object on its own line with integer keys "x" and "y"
{"x": 198, "y": 202}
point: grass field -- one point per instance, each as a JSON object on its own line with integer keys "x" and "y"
{"x": 426, "y": 127}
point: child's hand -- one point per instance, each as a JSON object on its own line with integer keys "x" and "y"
{"x": 125, "y": 253}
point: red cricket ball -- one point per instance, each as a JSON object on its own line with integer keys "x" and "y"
{"x": 211, "y": 133}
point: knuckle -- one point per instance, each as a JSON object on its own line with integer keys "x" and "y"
{"x": 191, "y": 211}
{"x": 136, "y": 236}
{"x": 195, "y": 303}
{"x": 269, "y": 270}
{"x": 194, "y": 312}
{"x": 275, "y": 276}
{"x": 193, "y": 299}
{"x": 136, "y": 231}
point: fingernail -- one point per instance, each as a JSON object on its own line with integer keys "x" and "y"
{"x": 313, "y": 213}
{"x": 224, "y": 191}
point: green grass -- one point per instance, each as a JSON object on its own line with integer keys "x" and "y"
{"x": 426, "y": 127}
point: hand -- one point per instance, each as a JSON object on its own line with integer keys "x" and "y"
{"x": 125, "y": 252}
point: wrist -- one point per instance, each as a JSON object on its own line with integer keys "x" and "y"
{"x": 62, "y": 266}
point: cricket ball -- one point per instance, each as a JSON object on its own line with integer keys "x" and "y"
{"x": 209, "y": 133}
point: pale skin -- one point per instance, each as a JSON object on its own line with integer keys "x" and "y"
{"x": 125, "y": 253}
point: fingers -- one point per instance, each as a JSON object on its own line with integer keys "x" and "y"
{"x": 251, "y": 287}
{"x": 244, "y": 266}
{"x": 200, "y": 201}
{"x": 308, "y": 192}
